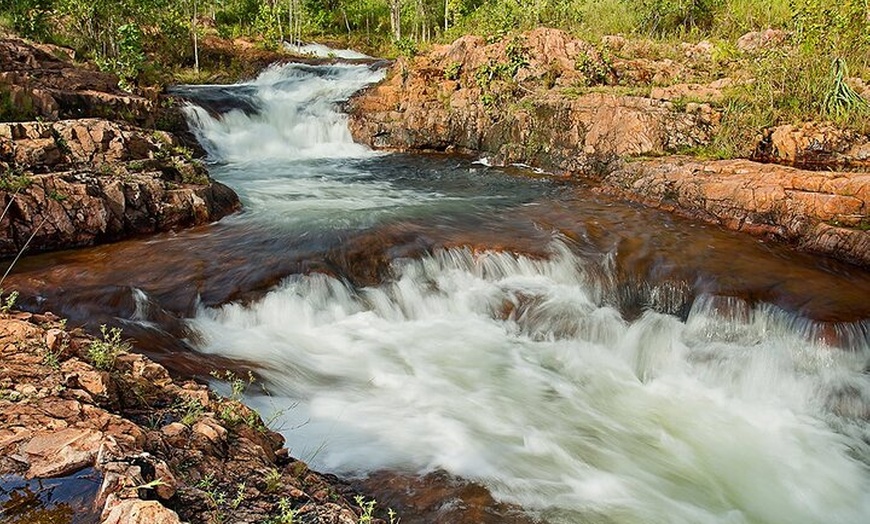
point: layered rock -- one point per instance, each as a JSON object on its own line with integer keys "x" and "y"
{"x": 85, "y": 172}
{"x": 525, "y": 100}
{"x": 163, "y": 451}
{"x": 81, "y": 182}
{"x": 814, "y": 145}
{"x": 820, "y": 211}
{"x": 40, "y": 81}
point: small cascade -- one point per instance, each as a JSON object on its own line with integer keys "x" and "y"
{"x": 288, "y": 112}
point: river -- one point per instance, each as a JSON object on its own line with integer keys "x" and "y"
{"x": 584, "y": 359}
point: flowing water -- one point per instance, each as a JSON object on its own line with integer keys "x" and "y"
{"x": 584, "y": 359}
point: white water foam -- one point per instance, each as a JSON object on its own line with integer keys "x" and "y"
{"x": 511, "y": 371}
{"x": 322, "y": 51}
{"x": 298, "y": 116}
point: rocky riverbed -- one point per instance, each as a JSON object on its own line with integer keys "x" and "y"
{"x": 160, "y": 450}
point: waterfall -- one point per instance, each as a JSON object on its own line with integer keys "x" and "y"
{"x": 288, "y": 112}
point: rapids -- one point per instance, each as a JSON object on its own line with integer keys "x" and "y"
{"x": 584, "y": 359}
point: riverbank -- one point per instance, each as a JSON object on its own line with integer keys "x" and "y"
{"x": 156, "y": 450}
{"x": 83, "y": 162}
{"x": 615, "y": 114}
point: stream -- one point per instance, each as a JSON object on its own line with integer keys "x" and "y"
{"x": 582, "y": 358}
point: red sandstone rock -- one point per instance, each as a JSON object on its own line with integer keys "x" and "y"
{"x": 820, "y": 211}
{"x": 90, "y": 181}
{"x": 50, "y": 428}
{"x": 814, "y": 144}
{"x": 526, "y": 118}
{"x": 135, "y": 511}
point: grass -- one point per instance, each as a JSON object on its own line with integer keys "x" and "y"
{"x": 103, "y": 352}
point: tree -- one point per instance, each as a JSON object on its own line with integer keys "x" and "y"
{"x": 396, "y": 18}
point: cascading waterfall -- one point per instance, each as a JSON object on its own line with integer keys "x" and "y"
{"x": 523, "y": 373}
{"x": 292, "y": 114}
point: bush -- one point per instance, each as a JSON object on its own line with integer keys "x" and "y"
{"x": 664, "y": 17}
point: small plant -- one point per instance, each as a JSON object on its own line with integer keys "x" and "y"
{"x": 368, "y": 511}
{"x": 14, "y": 180}
{"x": 208, "y": 485}
{"x": 595, "y": 72}
{"x": 451, "y": 72}
{"x": 61, "y": 142}
{"x": 273, "y": 480}
{"x": 151, "y": 485}
{"x": 57, "y": 196}
{"x": 406, "y": 47}
{"x": 102, "y": 353}
{"x": 240, "y": 495}
{"x": 841, "y": 98}
{"x": 52, "y": 358}
{"x": 7, "y": 303}
{"x": 190, "y": 410}
{"x": 285, "y": 513}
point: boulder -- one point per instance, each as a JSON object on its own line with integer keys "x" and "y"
{"x": 135, "y": 511}
{"x": 814, "y": 145}
{"x": 81, "y": 182}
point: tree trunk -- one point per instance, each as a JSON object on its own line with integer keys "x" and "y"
{"x": 446, "y": 13}
{"x": 195, "y": 41}
{"x": 396, "y": 18}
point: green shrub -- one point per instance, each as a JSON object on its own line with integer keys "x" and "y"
{"x": 663, "y": 17}
{"x": 102, "y": 353}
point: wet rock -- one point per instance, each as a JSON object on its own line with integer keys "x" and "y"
{"x": 62, "y": 452}
{"x": 60, "y": 422}
{"x": 824, "y": 212}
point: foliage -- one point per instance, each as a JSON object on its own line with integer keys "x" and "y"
{"x": 7, "y": 303}
{"x": 102, "y": 353}
{"x": 675, "y": 16}
{"x": 841, "y": 99}
{"x": 451, "y": 72}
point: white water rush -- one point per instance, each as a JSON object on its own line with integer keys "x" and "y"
{"x": 291, "y": 112}
{"x": 507, "y": 371}
{"x": 515, "y": 371}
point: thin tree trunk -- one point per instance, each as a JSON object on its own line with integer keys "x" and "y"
{"x": 396, "y": 18}
{"x": 195, "y": 41}
{"x": 446, "y": 13}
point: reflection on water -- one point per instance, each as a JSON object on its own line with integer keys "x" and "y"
{"x": 67, "y": 500}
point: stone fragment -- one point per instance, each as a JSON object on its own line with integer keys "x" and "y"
{"x": 135, "y": 511}
{"x": 62, "y": 452}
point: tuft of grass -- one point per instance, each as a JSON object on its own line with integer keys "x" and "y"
{"x": 102, "y": 353}
{"x": 841, "y": 99}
